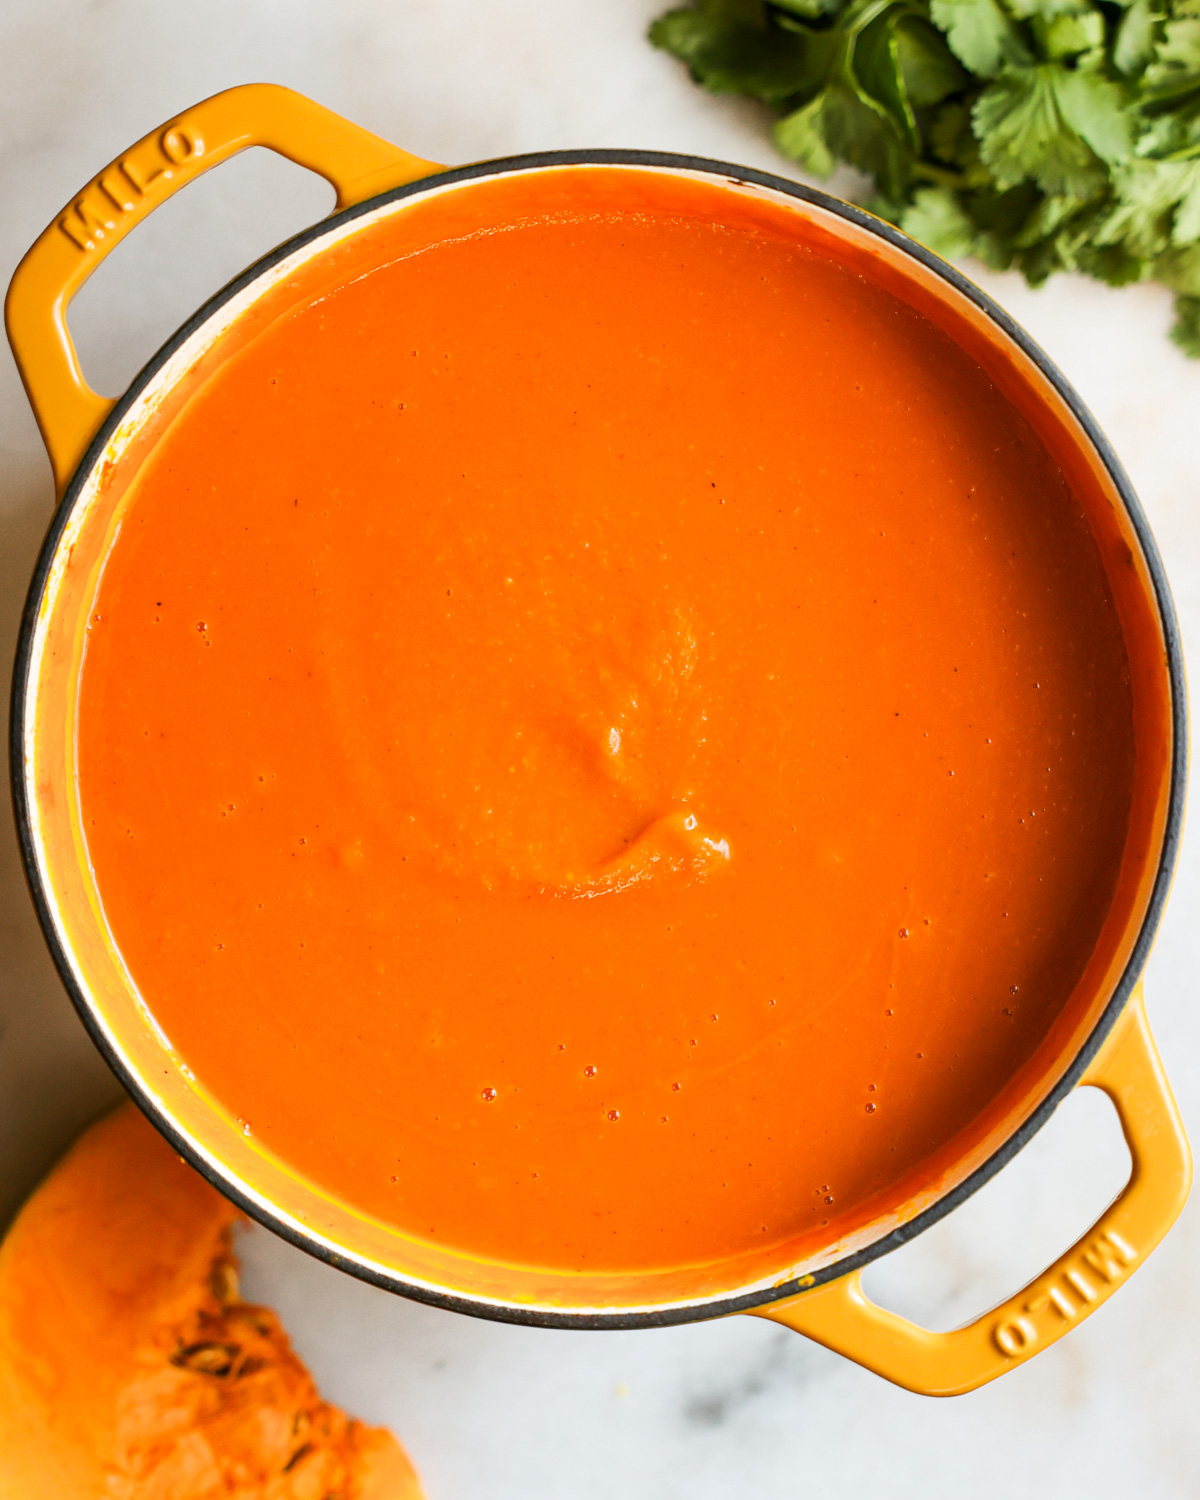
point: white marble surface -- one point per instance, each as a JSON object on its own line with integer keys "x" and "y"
{"x": 492, "y": 1412}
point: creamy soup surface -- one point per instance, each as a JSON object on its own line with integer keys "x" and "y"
{"x": 604, "y": 741}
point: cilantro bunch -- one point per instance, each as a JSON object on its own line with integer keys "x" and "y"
{"x": 1045, "y": 135}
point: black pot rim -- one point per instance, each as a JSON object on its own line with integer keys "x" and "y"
{"x": 749, "y": 1301}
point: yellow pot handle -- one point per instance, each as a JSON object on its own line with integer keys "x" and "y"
{"x": 357, "y": 163}
{"x": 841, "y": 1316}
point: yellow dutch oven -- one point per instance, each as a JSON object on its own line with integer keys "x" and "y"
{"x": 90, "y": 438}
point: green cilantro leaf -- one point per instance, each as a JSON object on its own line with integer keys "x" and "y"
{"x": 1044, "y": 135}
{"x": 1158, "y": 206}
{"x": 1095, "y": 109}
{"x": 981, "y": 35}
{"x": 811, "y": 10}
{"x": 926, "y": 65}
{"x": 1174, "y": 75}
{"x": 873, "y": 63}
{"x": 732, "y": 55}
{"x": 803, "y": 137}
{"x": 1180, "y": 270}
{"x": 1053, "y": 125}
{"x": 939, "y": 221}
{"x": 843, "y": 123}
{"x": 1068, "y": 36}
{"x": 1137, "y": 38}
{"x": 1186, "y": 332}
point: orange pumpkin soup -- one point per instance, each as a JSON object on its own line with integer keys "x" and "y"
{"x": 604, "y": 739}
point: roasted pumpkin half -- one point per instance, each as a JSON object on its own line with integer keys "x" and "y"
{"x": 129, "y": 1365}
